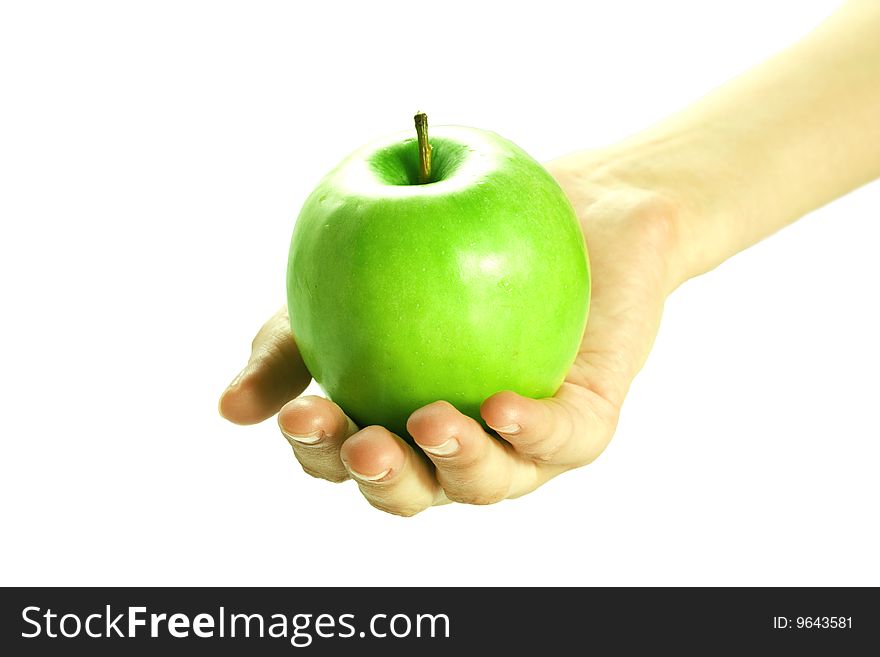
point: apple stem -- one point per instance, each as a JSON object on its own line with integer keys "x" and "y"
{"x": 424, "y": 148}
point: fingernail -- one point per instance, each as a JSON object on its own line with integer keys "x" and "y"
{"x": 237, "y": 379}
{"x": 447, "y": 448}
{"x": 509, "y": 429}
{"x": 307, "y": 439}
{"x": 375, "y": 477}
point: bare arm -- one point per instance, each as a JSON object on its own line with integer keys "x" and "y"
{"x": 785, "y": 138}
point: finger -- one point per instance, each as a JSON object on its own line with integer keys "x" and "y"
{"x": 316, "y": 428}
{"x": 275, "y": 373}
{"x": 571, "y": 428}
{"x": 389, "y": 473}
{"x": 472, "y": 466}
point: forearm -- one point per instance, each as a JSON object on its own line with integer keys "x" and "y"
{"x": 785, "y": 138}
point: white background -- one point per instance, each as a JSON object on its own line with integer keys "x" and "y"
{"x": 153, "y": 158}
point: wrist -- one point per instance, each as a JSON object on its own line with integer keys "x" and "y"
{"x": 658, "y": 176}
{"x": 701, "y": 187}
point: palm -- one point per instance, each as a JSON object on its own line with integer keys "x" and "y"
{"x": 626, "y": 231}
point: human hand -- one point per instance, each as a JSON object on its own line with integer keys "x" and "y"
{"x": 631, "y": 236}
{"x": 666, "y": 204}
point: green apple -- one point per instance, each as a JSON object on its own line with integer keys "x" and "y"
{"x": 402, "y": 293}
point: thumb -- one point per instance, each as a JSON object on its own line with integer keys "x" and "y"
{"x": 275, "y": 374}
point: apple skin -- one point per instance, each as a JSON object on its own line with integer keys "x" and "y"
{"x": 402, "y": 294}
